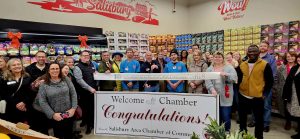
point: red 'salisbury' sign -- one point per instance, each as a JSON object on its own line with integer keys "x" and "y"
{"x": 126, "y": 10}
{"x": 233, "y": 10}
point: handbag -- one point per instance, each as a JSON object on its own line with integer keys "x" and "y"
{"x": 3, "y": 102}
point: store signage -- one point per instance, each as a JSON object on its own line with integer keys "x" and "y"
{"x": 158, "y": 115}
{"x": 158, "y": 76}
{"x": 125, "y": 10}
{"x": 233, "y": 9}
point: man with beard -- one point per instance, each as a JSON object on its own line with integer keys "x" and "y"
{"x": 255, "y": 82}
{"x": 38, "y": 121}
{"x": 175, "y": 66}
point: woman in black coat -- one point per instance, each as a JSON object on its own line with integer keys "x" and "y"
{"x": 17, "y": 94}
{"x": 291, "y": 94}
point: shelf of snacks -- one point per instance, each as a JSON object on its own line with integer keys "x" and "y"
{"x": 239, "y": 39}
{"x": 27, "y": 51}
{"x": 183, "y": 42}
{"x": 209, "y": 41}
{"x": 159, "y": 43}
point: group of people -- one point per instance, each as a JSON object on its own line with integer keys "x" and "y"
{"x": 48, "y": 95}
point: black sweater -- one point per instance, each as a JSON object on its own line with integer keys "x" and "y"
{"x": 287, "y": 88}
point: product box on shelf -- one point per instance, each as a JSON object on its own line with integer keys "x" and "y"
{"x": 24, "y": 49}
{"x": 214, "y": 47}
{"x": 12, "y": 51}
{"x": 214, "y": 37}
{"x": 280, "y": 47}
{"x": 234, "y": 43}
{"x": 281, "y": 37}
{"x": 60, "y": 49}
{"x": 220, "y": 36}
{"x": 294, "y": 25}
{"x": 248, "y": 30}
{"x": 234, "y": 38}
{"x": 294, "y": 46}
{"x": 234, "y": 32}
{"x": 268, "y": 37}
{"x": 208, "y": 37}
{"x": 76, "y": 49}
{"x": 226, "y": 39}
{"x": 248, "y": 42}
{"x": 256, "y": 41}
{"x": 267, "y": 29}
{"x": 241, "y": 31}
{"x": 69, "y": 50}
{"x": 248, "y": 37}
{"x": 242, "y": 37}
{"x": 294, "y": 36}
{"x": 122, "y": 34}
{"x": 256, "y": 36}
{"x": 3, "y": 49}
{"x": 257, "y": 29}
{"x": 227, "y": 33}
{"x": 281, "y": 27}
{"x": 51, "y": 58}
{"x": 33, "y": 49}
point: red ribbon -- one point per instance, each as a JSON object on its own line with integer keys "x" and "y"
{"x": 14, "y": 39}
{"x": 83, "y": 40}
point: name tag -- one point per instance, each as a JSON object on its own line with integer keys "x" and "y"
{"x": 11, "y": 82}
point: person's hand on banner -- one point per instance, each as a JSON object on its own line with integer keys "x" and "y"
{"x": 108, "y": 71}
{"x": 147, "y": 86}
{"x": 57, "y": 117}
{"x": 214, "y": 92}
{"x": 129, "y": 84}
{"x": 92, "y": 90}
{"x": 192, "y": 85}
{"x": 224, "y": 74}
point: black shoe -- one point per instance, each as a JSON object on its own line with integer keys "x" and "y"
{"x": 267, "y": 129}
{"x": 77, "y": 136}
{"x": 288, "y": 125}
{"x": 297, "y": 136}
{"x": 252, "y": 124}
{"x": 82, "y": 124}
{"x": 88, "y": 130}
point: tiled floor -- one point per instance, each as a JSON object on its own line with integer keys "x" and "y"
{"x": 276, "y": 131}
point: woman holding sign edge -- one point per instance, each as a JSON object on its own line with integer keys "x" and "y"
{"x": 223, "y": 86}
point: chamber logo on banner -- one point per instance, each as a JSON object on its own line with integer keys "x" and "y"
{"x": 125, "y": 10}
{"x": 230, "y": 9}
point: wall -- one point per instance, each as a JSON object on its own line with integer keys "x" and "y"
{"x": 21, "y": 10}
{"x": 205, "y": 17}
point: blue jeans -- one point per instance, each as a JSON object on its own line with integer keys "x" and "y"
{"x": 267, "y": 109}
{"x": 225, "y": 116}
{"x": 152, "y": 88}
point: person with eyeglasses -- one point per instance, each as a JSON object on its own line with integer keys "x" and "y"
{"x": 175, "y": 66}
{"x": 84, "y": 75}
{"x": 105, "y": 66}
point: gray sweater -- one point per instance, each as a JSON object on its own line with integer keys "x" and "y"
{"x": 57, "y": 97}
{"x": 219, "y": 85}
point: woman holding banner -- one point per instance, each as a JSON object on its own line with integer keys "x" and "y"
{"x": 223, "y": 86}
{"x": 198, "y": 65}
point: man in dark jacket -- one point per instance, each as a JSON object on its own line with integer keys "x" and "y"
{"x": 38, "y": 120}
{"x": 38, "y": 68}
{"x": 83, "y": 72}
{"x": 150, "y": 66}
{"x": 105, "y": 66}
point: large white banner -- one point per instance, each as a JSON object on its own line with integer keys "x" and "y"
{"x": 158, "y": 76}
{"x": 158, "y": 115}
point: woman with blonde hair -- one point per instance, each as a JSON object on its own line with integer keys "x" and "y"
{"x": 223, "y": 86}
{"x": 18, "y": 95}
{"x": 197, "y": 65}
